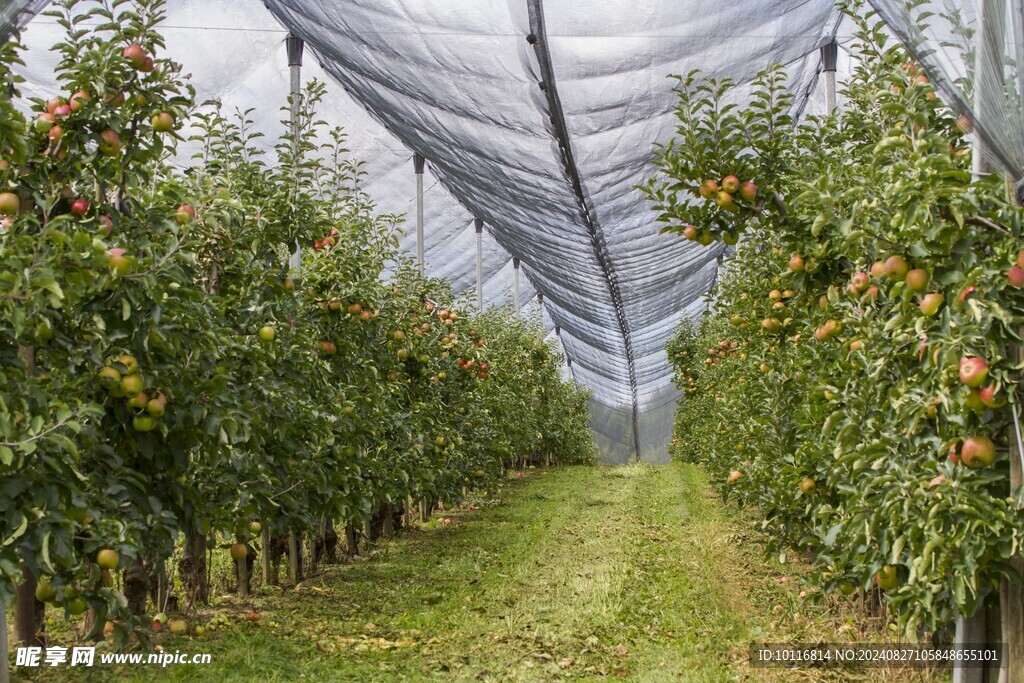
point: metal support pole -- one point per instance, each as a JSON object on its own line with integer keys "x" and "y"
{"x": 829, "y": 56}
{"x": 515, "y": 282}
{"x": 989, "y": 68}
{"x": 418, "y": 163}
{"x": 973, "y": 629}
{"x": 295, "y": 47}
{"x": 479, "y": 263}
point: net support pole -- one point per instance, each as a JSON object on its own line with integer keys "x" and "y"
{"x": 515, "y": 282}
{"x": 418, "y": 163}
{"x": 972, "y": 629}
{"x": 989, "y": 69}
{"x": 829, "y": 56}
{"x": 479, "y": 262}
{"x": 295, "y": 47}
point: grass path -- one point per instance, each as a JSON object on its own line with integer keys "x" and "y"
{"x": 579, "y": 573}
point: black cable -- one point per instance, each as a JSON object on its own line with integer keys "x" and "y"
{"x": 600, "y": 246}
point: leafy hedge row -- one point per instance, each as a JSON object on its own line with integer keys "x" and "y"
{"x": 163, "y": 372}
{"x": 856, "y": 374}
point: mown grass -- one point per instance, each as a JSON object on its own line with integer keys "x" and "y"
{"x": 634, "y": 573}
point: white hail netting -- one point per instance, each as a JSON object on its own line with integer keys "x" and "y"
{"x": 551, "y": 171}
{"x": 973, "y": 51}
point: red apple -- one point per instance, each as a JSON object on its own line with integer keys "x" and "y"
{"x": 117, "y": 260}
{"x": 973, "y": 371}
{"x": 725, "y": 201}
{"x": 690, "y": 232}
{"x": 1015, "y": 276}
{"x": 185, "y": 214}
{"x": 878, "y": 269}
{"x": 991, "y": 397}
{"x": 78, "y": 100}
{"x": 796, "y": 263}
{"x": 45, "y": 122}
{"x": 110, "y": 143}
{"x": 107, "y": 225}
{"x": 860, "y": 282}
{"x": 978, "y": 451}
{"x": 709, "y": 189}
{"x": 10, "y": 204}
{"x": 135, "y": 54}
{"x": 896, "y": 267}
{"x": 62, "y": 111}
{"x": 56, "y": 133}
{"x": 730, "y": 184}
{"x": 966, "y": 293}
{"x": 827, "y": 330}
{"x": 147, "y": 65}
{"x": 53, "y": 103}
{"x": 930, "y": 303}
{"x": 735, "y": 476}
{"x": 162, "y": 122}
{"x": 80, "y": 206}
{"x": 916, "y": 279}
{"x": 748, "y": 191}
{"x": 973, "y": 402}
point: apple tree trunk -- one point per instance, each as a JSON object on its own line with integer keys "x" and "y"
{"x": 29, "y": 614}
{"x": 192, "y": 568}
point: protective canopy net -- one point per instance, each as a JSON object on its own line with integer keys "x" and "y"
{"x": 538, "y": 118}
{"x": 974, "y": 54}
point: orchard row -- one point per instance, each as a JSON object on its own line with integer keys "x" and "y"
{"x": 855, "y": 378}
{"x": 166, "y": 380}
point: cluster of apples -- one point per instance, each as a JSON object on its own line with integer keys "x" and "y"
{"x": 137, "y": 55}
{"x": 447, "y": 317}
{"x": 723, "y": 351}
{"x": 163, "y": 121}
{"x": 688, "y": 380}
{"x": 780, "y": 317}
{"x": 355, "y": 309}
{"x": 122, "y": 378}
{"x": 56, "y": 112}
{"x": 724, "y": 193}
{"x": 472, "y": 367}
{"x": 329, "y": 240}
{"x": 118, "y": 259}
{"x": 107, "y": 559}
